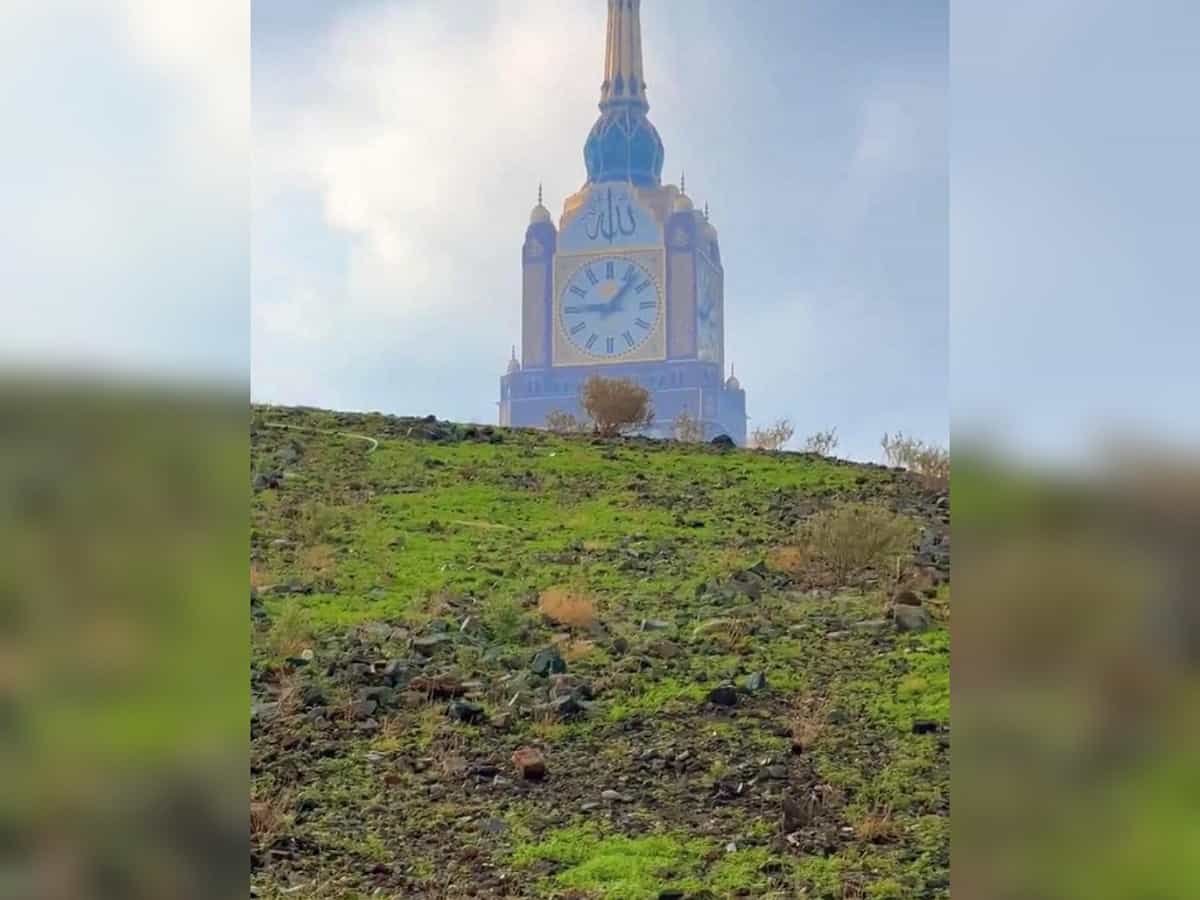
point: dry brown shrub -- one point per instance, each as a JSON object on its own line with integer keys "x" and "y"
{"x": 577, "y": 650}
{"x": 807, "y": 721}
{"x": 853, "y": 537}
{"x": 772, "y": 437}
{"x": 258, "y": 576}
{"x": 792, "y": 559}
{"x": 270, "y": 817}
{"x": 822, "y": 443}
{"x": 877, "y": 827}
{"x": 317, "y": 562}
{"x": 929, "y": 461}
{"x": 616, "y": 406}
{"x": 563, "y": 606}
{"x": 687, "y": 428}
{"x": 563, "y": 423}
{"x": 290, "y": 691}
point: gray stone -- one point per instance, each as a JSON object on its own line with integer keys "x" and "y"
{"x": 756, "y": 681}
{"x": 429, "y": 644}
{"x": 656, "y": 625}
{"x": 264, "y": 712}
{"x": 870, "y": 626}
{"x": 363, "y": 709}
{"x": 911, "y": 618}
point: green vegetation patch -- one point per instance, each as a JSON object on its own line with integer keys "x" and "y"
{"x": 617, "y": 866}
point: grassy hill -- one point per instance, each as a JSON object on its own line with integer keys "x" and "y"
{"x": 744, "y": 711}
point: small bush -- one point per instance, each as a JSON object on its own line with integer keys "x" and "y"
{"x": 316, "y": 520}
{"x": 857, "y": 536}
{"x": 571, "y": 608}
{"x": 807, "y": 723}
{"x": 316, "y": 562}
{"x": 773, "y": 437}
{"x": 929, "y": 461}
{"x": 822, "y": 443}
{"x": 270, "y": 817}
{"x": 503, "y": 618}
{"x": 616, "y": 406}
{"x": 790, "y": 559}
{"x": 563, "y": 423}
{"x": 876, "y": 827}
{"x": 687, "y": 428}
{"x": 290, "y": 632}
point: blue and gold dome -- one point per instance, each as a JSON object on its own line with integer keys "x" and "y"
{"x": 623, "y": 144}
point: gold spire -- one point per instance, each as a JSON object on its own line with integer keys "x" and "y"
{"x": 623, "y": 79}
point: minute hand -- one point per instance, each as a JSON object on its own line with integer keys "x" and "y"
{"x": 615, "y": 302}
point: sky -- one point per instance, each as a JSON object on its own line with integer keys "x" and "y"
{"x": 398, "y": 147}
{"x": 324, "y": 201}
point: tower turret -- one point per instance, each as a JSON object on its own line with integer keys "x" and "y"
{"x": 623, "y": 145}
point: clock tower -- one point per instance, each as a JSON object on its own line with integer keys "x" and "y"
{"x": 630, "y": 282}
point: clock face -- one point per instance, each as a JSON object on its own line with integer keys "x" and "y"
{"x": 609, "y": 306}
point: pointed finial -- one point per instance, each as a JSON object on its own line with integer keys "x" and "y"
{"x": 732, "y": 373}
{"x": 539, "y": 193}
{"x": 514, "y": 351}
{"x": 683, "y": 182}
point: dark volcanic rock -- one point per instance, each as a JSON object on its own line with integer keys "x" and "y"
{"x": 724, "y": 695}
{"x": 724, "y": 441}
{"x": 462, "y": 711}
{"x": 548, "y": 662}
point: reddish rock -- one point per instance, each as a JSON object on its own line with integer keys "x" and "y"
{"x": 530, "y": 762}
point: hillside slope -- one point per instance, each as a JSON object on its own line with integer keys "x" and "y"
{"x": 742, "y": 712}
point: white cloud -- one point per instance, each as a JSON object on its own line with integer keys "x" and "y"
{"x": 129, "y": 126}
{"x": 423, "y": 133}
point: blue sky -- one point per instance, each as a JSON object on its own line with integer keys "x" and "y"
{"x": 1075, "y": 207}
{"x": 398, "y": 147}
{"x": 366, "y": 232}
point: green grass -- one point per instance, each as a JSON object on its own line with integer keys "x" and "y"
{"x": 418, "y": 531}
{"x": 622, "y": 868}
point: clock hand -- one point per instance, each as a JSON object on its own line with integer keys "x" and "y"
{"x": 614, "y": 303}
